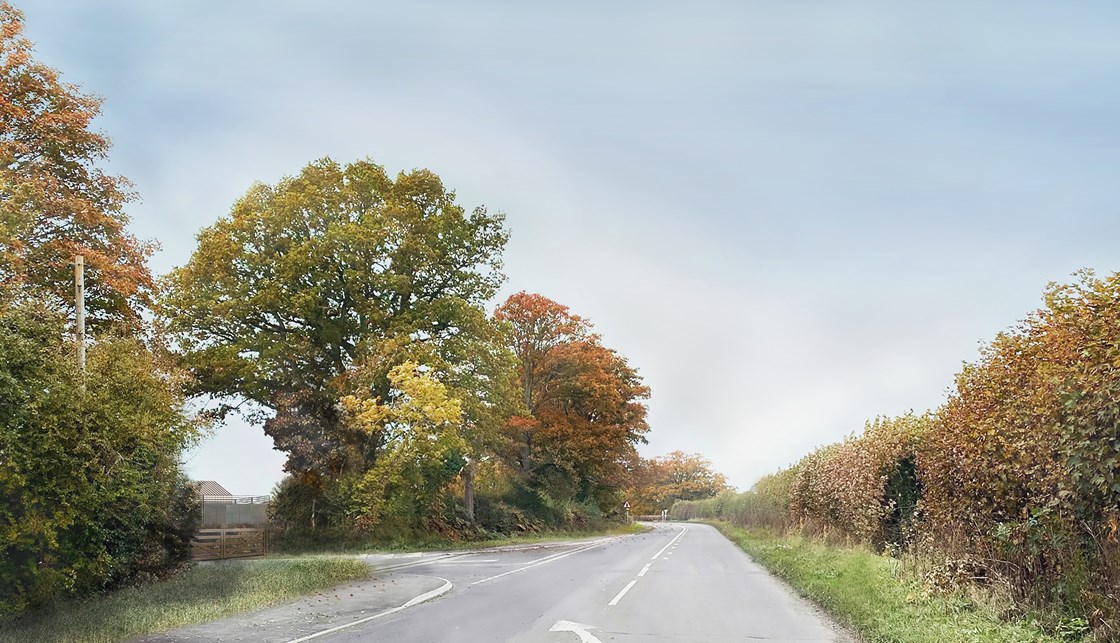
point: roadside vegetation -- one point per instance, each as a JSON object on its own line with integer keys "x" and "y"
{"x": 203, "y": 593}
{"x": 880, "y": 598}
{"x": 92, "y": 497}
{"x": 342, "y": 308}
{"x": 1011, "y": 490}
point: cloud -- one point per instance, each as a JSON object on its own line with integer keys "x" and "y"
{"x": 790, "y": 217}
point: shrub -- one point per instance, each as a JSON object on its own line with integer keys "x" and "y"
{"x": 865, "y": 487}
{"x": 89, "y": 468}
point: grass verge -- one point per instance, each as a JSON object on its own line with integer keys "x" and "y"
{"x": 202, "y": 593}
{"x": 872, "y": 595}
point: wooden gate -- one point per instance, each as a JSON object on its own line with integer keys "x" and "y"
{"x": 213, "y": 544}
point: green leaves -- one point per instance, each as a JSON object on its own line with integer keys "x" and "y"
{"x": 90, "y": 476}
{"x": 334, "y": 270}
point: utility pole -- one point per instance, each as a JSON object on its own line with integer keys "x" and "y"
{"x": 80, "y": 307}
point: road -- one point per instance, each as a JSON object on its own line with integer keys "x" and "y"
{"x": 679, "y": 582}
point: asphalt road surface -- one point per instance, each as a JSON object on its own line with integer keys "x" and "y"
{"x": 677, "y": 583}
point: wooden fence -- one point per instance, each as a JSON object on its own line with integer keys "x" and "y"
{"x": 214, "y": 544}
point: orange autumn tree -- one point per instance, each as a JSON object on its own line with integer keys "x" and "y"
{"x": 659, "y": 482}
{"x": 584, "y": 402}
{"x": 54, "y": 200}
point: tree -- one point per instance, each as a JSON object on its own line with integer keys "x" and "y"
{"x": 584, "y": 404}
{"x": 420, "y": 429}
{"x": 336, "y": 268}
{"x": 661, "y": 481}
{"x": 54, "y": 201}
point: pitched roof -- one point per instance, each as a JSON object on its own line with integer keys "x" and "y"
{"x": 211, "y": 488}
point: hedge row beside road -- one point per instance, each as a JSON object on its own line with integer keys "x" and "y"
{"x": 1014, "y": 483}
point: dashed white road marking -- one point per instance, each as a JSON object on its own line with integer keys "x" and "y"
{"x": 426, "y": 596}
{"x": 671, "y": 543}
{"x": 655, "y": 556}
{"x": 618, "y": 596}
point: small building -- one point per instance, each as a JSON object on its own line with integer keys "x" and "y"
{"x": 220, "y": 508}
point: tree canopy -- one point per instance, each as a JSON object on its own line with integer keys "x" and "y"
{"x": 659, "y": 482}
{"x": 335, "y": 267}
{"x": 584, "y": 400}
{"x": 54, "y": 200}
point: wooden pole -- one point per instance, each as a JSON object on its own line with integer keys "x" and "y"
{"x": 80, "y": 307}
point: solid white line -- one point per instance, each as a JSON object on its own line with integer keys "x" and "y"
{"x": 644, "y": 570}
{"x": 541, "y": 561}
{"x": 654, "y": 557}
{"x": 426, "y": 596}
{"x": 425, "y": 561}
{"x": 618, "y": 597}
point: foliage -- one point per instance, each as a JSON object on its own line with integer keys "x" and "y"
{"x": 1022, "y": 473}
{"x": 200, "y": 594}
{"x": 766, "y": 504}
{"x": 846, "y": 486}
{"x": 1013, "y": 483}
{"x": 336, "y": 268}
{"x": 878, "y": 597}
{"x": 89, "y": 469}
{"x": 659, "y": 482}
{"x": 311, "y": 297}
{"x": 419, "y": 428}
{"x": 54, "y": 201}
{"x": 584, "y": 405}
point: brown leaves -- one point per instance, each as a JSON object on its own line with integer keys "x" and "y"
{"x": 661, "y": 481}
{"x": 54, "y": 201}
{"x": 584, "y": 397}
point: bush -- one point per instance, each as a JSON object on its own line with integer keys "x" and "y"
{"x": 865, "y": 488}
{"x": 89, "y": 469}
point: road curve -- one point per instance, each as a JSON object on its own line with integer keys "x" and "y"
{"x": 679, "y": 582}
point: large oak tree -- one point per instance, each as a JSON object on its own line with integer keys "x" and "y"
{"x": 318, "y": 286}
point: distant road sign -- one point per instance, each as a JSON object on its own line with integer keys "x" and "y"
{"x": 626, "y": 504}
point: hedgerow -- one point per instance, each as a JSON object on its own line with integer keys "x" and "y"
{"x": 1014, "y": 482}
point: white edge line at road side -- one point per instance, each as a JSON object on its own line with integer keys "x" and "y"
{"x": 423, "y": 561}
{"x": 542, "y": 561}
{"x": 426, "y": 596}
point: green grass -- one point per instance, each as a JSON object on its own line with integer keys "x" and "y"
{"x": 202, "y": 593}
{"x": 874, "y": 596}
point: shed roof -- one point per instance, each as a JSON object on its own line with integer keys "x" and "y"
{"x": 212, "y": 488}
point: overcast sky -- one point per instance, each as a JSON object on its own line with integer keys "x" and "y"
{"x": 790, "y": 216}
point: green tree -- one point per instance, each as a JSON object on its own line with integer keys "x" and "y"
{"x": 319, "y": 286}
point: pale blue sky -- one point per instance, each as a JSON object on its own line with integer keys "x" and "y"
{"x": 791, "y": 216}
